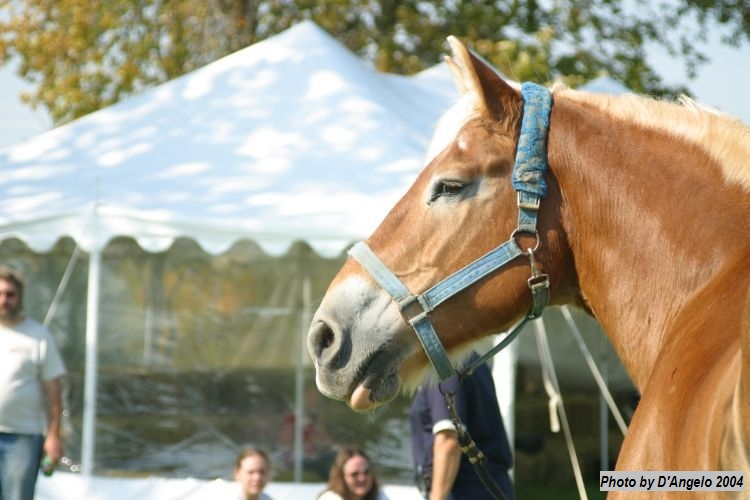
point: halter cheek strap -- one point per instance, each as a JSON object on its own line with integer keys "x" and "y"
{"x": 433, "y": 297}
{"x": 529, "y": 181}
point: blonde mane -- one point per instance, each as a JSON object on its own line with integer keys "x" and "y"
{"x": 724, "y": 138}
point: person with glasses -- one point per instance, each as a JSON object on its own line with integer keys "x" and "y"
{"x": 351, "y": 477}
{"x": 30, "y": 394}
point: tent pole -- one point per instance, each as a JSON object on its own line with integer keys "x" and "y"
{"x": 504, "y": 368}
{"x": 299, "y": 399}
{"x": 90, "y": 377}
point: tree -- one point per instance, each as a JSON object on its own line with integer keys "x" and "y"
{"x": 82, "y": 55}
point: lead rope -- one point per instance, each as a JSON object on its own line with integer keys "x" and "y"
{"x": 539, "y": 286}
{"x": 469, "y": 448}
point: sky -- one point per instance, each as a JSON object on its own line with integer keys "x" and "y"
{"x": 17, "y": 121}
{"x": 723, "y": 84}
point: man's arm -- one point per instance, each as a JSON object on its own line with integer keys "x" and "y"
{"x": 53, "y": 405}
{"x": 445, "y": 462}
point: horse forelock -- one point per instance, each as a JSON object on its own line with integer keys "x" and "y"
{"x": 468, "y": 107}
{"x": 722, "y": 137}
{"x": 447, "y": 127}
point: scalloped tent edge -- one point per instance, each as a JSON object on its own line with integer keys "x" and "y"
{"x": 267, "y": 143}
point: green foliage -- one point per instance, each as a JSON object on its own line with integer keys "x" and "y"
{"x": 82, "y": 55}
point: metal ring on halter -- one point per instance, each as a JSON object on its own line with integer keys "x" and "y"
{"x": 534, "y": 233}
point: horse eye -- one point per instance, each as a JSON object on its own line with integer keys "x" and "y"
{"x": 448, "y": 187}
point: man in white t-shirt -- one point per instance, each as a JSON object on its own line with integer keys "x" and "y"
{"x": 30, "y": 393}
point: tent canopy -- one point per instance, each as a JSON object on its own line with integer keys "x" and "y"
{"x": 254, "y": 145}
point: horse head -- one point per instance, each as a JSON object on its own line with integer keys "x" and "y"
{"x": 461, "y": 207}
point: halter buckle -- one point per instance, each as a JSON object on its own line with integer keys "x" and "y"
{"x": 537, "y": 282}
{"x": 539, "y": 286}
{"x": 527, "y": 201}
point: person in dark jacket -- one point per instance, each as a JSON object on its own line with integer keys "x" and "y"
{"x": 442, "y": 470}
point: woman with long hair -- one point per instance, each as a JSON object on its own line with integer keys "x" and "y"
{"x": 351, "y": 477}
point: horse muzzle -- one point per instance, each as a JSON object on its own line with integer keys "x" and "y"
{"x": 352, "y": 364}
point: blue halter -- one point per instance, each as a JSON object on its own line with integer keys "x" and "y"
{"x": 530, "y": 184}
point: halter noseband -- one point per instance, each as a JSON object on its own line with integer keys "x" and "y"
{"x": 528, "y": 180}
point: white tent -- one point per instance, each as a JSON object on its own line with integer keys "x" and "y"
{"x": 255, "y": 145}
{"x": 293, "y": 138}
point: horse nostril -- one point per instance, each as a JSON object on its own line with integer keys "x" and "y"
{"x": 326, "y": 338}
{"x": 321, "y": 338}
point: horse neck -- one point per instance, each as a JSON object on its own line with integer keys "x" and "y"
{"x": 640, "y": 212}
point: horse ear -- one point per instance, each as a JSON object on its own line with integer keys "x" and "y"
{"x": 495, "y": 98}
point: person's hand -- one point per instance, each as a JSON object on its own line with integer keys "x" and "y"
{"x": 53, "y": 448}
